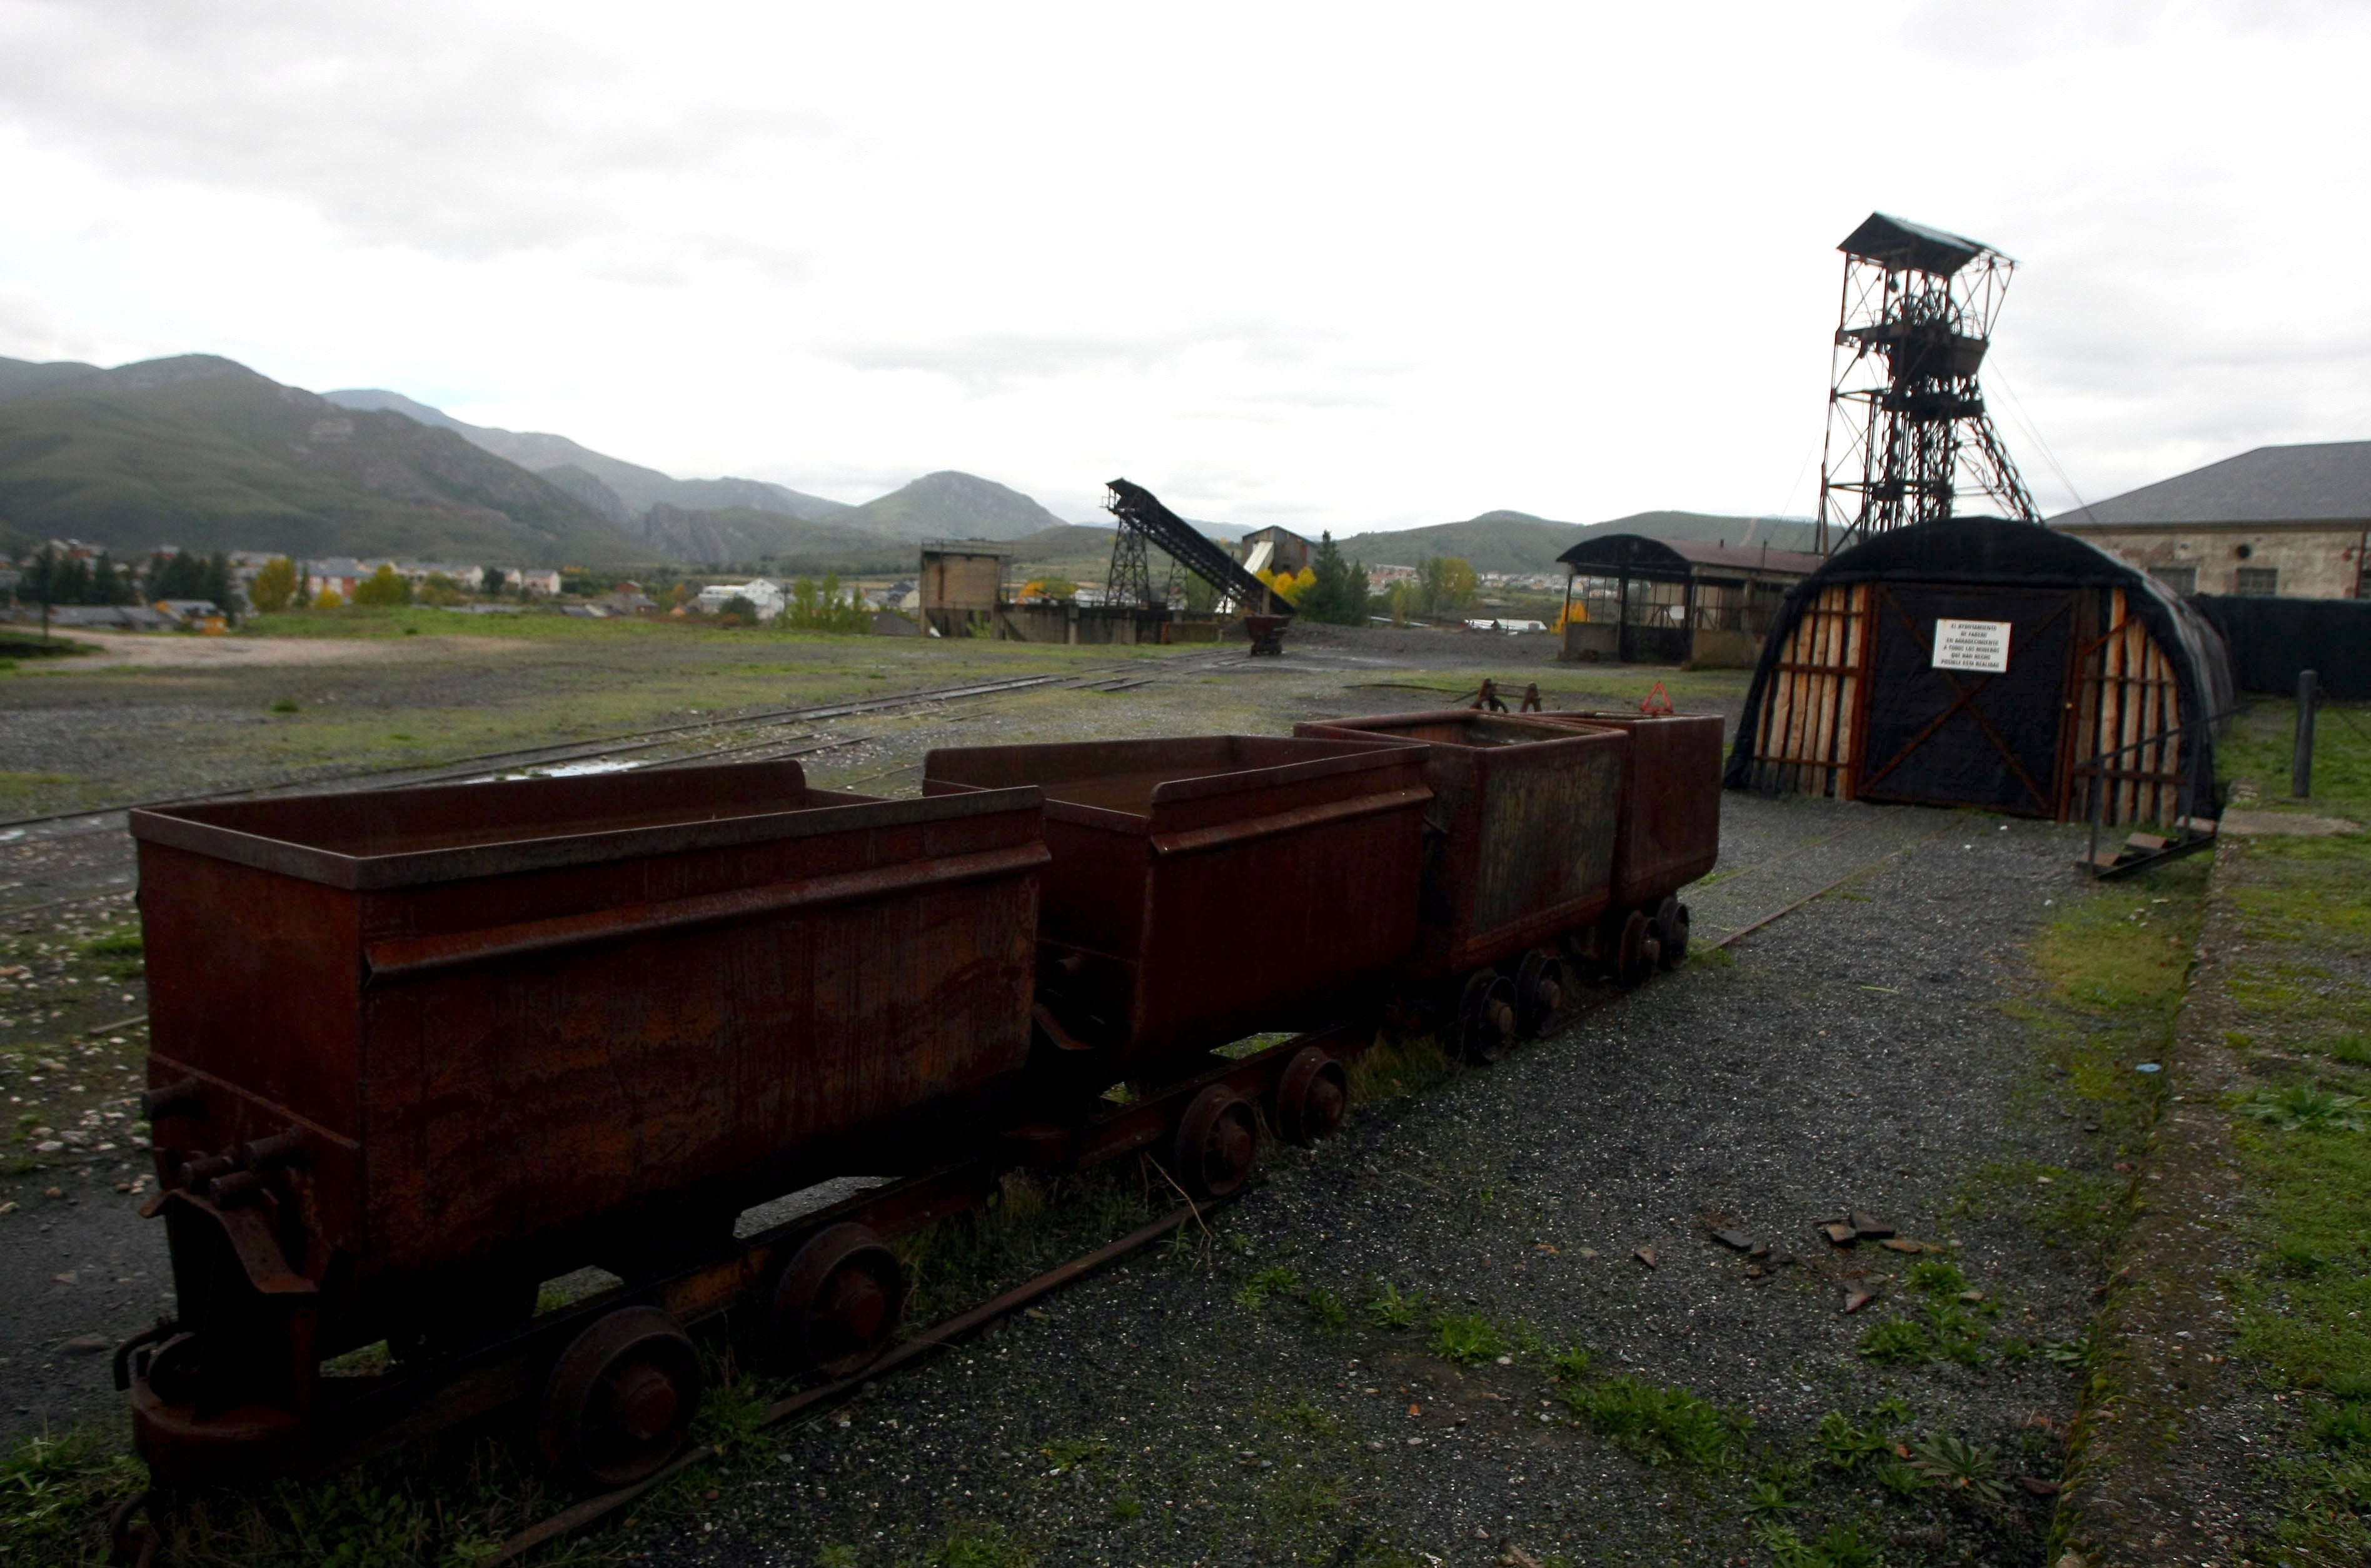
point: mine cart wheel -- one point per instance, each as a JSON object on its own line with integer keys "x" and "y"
{"x": 1488, "y": 1014}
{"x": 1541, "y": 986}
{"x": 1311, "y": 1097}
{"x": 1672, "y": 931}
{"x": 1636, "y": 955}
{"x": 836, "y": 1301}
{"x": 620, "y": 1399}
{"x": 1216, "y": 1142}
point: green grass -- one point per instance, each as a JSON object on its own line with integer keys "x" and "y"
{"x": 2258, "y": 749}
{"x": 1662, "y": 1425}
{"x": 2303, "y": 1305}
{"x": 1467, "y": 1339}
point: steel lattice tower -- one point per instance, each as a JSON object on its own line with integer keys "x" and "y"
{"x": 1907, "y": 429}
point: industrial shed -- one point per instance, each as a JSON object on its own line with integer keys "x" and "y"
{"x": 1685, "y": 602}
{"x": 1989, "y": 664}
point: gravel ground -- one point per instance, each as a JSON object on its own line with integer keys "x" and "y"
{"x": 80, "y": 1268}
{"x": 1853, "y": 1057}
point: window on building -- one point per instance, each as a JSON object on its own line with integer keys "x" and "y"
{"x": 2259, "y": 579}
{"x": 2180, "y": 579}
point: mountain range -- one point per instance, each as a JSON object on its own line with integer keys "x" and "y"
{"x": 203, "y": 452}
{"x": 1519, "y": 542}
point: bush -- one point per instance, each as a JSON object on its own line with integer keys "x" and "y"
{"x": 273, "y": 586}
{"x": 384, "y": 588}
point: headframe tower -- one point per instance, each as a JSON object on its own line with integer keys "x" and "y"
{"x": 1907, "y": 429}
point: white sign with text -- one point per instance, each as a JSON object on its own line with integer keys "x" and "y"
{"x": 1971, "y": 645}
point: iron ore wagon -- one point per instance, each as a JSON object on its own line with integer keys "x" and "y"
{"x": 417, "y": 1051}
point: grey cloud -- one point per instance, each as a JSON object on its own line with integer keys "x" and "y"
{"x": 456, "y": 131}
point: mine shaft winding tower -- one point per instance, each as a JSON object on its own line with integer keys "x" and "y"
{"x": 1907, "y": 429}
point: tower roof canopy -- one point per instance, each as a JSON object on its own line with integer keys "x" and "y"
{"x": 1893, "y": 242}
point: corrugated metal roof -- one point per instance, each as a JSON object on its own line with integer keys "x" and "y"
{"x": 1896, "y": 242}
{"x": 2326, "y": 483}
{"x": 1639, "y": 552}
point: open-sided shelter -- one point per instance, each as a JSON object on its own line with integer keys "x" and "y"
{"x": 1687, "y": 602}
{"x": 1990, "y": 664}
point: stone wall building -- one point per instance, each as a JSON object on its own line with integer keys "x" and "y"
{"x": 2290, "y": 521}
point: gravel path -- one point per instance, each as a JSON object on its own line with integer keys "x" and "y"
{"x": 1853, "y": 1057}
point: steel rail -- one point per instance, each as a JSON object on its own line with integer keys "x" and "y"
{"x": 565, "y": 751}
{"x": 944, "y": 1333}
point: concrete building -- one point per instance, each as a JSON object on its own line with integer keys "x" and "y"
{"x": 961, "y": 587}
{"x": 2290, "y": 521}
{"x": 762, "y": 592}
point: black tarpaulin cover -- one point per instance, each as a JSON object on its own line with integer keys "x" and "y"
{"x": 2272, "y": 640}
{"x": 1984, "y": 561}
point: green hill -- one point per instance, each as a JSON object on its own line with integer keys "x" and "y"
{"x": 1496, "y": 541}
{"x": 1519, "y": 542}
{"x": 203, "y": 452}
{"x": 637, "y": 487}
{"x": 768, "y": 541}
{"x": 1079, "y": 552}
{"x": 950, "y": 505}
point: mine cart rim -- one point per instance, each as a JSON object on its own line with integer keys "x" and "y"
{"x": 837, "y": 1302}
{"x": 1310, "y": 1097}
{"x": 1672, "y": 931}
{"x": 621, "y": 1397}
{"x": 1541, "y": 987}
{"x": 1639, "y": 951}
{"x": 1216, "y": 1141}
{"x": 1486, "y": 1012}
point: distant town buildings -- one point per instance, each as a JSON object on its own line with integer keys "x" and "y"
{"x": 762, "y": 592}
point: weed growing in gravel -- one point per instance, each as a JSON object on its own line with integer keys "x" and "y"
{"x": 1897, "y": 1342}
{"x": 1768, "y": 1500}
{"x": 1467, "y": 1338}
{"x": 1388, "y": 1308}
{"x": 839, "y": 1554}
{"x": 1326, "y": 1311}
{"x": 1070, "y": 1453}
{"x": 1399, "y": 1065}
{"x": 1896, "y": 1475}
{"x": 1933, "y": 1276}
{"x": 1844, "y": 1445}
{"x": 1958, "y": 1466}
{"x": 2069, "y": 1353}
{"x": 1274, "y": 1281}
{"x": 981, "y": 1545}
{"x": 1661, "y": 1425}
{"x": 1571, "y": 1362}
{"x": 1841, "y": 1545}
{"x": 2302, "y": 1105}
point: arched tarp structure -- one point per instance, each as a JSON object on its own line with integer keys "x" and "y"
{"x": 1985, "y": 663}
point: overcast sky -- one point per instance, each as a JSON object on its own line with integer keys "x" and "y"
{"x": 1342, "y": 266}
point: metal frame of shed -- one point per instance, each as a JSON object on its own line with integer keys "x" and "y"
{"x": 1644, "y": 599}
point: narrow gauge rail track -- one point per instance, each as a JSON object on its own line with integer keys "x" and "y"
{"x": 100, "y": 818}
{"x": 588, "y": 751}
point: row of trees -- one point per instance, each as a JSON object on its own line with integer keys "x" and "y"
{"x": 1444, "y": 585}
{"x": 1335, "y": 591}
{"x": 278, "y": 586}
{"x": 50, "y": 578}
